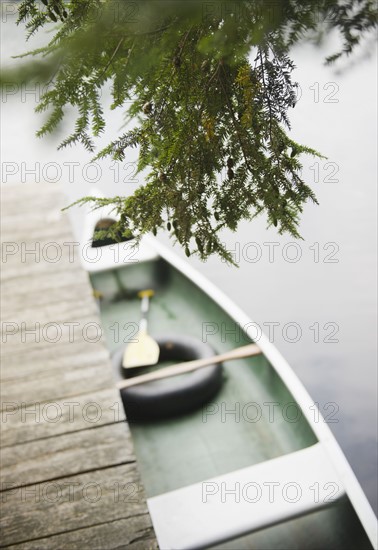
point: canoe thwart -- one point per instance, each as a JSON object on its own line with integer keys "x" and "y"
{"x": 238, "y": 353}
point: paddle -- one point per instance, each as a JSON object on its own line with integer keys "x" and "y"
{"x": 188, "y": 366}
{"x": 145, "y": 351}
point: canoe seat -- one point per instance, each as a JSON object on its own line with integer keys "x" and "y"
{"x": 246, "y": 500}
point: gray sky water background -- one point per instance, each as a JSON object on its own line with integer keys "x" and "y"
{"x": 325, "y": 284}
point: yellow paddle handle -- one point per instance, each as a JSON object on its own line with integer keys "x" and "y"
{"x": 148, "y": 293}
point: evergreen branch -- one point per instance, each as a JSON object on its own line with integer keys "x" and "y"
{"x": 112, "y": 57}
{"x": 235, "y": 123}
{"x": 197, "y": 104}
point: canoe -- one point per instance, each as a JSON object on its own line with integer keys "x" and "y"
{"x": 231, "y": 456}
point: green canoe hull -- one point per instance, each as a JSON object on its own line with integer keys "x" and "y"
{"x": 252, "y": 419}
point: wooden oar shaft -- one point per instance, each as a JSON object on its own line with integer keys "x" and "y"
{"x": 188, "y": 366}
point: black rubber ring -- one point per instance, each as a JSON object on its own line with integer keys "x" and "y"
{"x": 170, "y": 396}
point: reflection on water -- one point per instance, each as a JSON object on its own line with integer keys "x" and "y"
{"x": 317, "y": 297}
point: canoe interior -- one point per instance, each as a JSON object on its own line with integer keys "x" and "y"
{"x": 254, "y": 417}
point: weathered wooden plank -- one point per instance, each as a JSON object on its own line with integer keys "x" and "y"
{"x": 32, "y": 268}
{"x": 48, "y": 336}
{"x": 80, "y": 302}
{"x": 53, "y": 262}
{"x": 22, "y": 423}
{"x": 49, "y": 246}
{"x": 40, "y": 250}
{"x": 41, "y": 207}
{"x": 22, "y": 192}
{"x": 73, "y": 308}
{"x": 48, "y": 210}
{"x": 35, "y": 269}
{"x": 28, "y": 198}
{"x": 52, "y": 224}
{"x": 56, "y": 385}
{"x": 14, "y": 304}
{"x": 43, "y": 361}
{"x": 65, "y": 455}
{"x": 42, "y": 220}
{"x": 51, "y": 219}
{"x": 134, "y": 533}
{"x": 27, "y": 236}
{"x": 77, "y": 502}
{"x": 44, "y": 256}
{"x": 25, "y": 286}
{"x": 25, "y": 293}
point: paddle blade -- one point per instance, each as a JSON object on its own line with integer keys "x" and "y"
{"x": 142, "y": 353}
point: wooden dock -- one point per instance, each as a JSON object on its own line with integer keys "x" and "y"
{"x": 69, "y": 478}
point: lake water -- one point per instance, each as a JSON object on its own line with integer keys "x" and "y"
{"x": 318, "y": 294}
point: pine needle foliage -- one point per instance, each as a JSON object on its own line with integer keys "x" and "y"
{"x": 211, "y": 120}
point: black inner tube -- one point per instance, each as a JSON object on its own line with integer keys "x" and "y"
{"x": 172, "y": 396}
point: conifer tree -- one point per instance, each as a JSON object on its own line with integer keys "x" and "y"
{"x": 208, "y": 87}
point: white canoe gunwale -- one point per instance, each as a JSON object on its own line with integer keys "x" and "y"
{"x": 120, "y": 254}
{"x": 325, "y": 437}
